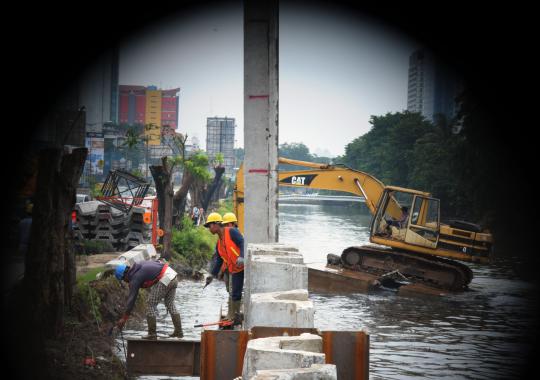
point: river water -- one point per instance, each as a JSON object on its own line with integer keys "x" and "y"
{"x": 483, "y": 333}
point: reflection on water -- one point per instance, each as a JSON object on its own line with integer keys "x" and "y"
{"x": 479, "y": 334}
{"x": 318, "y": 229}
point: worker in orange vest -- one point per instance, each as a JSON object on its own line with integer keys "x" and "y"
{"x": 229, "y": 220}
{"x": 230, "y": 251}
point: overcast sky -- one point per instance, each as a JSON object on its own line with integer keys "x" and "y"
{"x": 335, "y": 71}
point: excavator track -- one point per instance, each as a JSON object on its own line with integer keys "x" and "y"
{"x": 431, "y": 271}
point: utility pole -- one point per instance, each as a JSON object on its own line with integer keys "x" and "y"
{"x": 146, "y": 140}
{"x": 261, "y": 31}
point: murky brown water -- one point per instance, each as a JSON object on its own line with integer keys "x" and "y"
{"x": 479, "y": 334}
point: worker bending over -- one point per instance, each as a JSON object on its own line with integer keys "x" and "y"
{"x": 163, "y": 282}
{"x": 229, "y": 255}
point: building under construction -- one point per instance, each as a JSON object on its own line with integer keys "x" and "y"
{"x": 220, "y": 139}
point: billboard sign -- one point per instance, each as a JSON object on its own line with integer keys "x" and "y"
{"x": 96, "y": 152}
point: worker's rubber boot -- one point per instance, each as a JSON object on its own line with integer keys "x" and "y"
{"x": 177, "y": 322}
{"x": 152, "y": 334}
{"x": 230, "y": 311}
{"x": 236, "y": 315}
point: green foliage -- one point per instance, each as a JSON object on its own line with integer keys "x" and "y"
{"x": 192, "y": 245}
{"x": 95, "y": 187}
{"x": 137, "y": 172}
{"x": 132, "y": 138}
{"x": 296, "y": 151}
{"x": 198, "y": 166}
{"x": 86, "y": 277}
{"x": 405, "y": 149}
{"x": 300, "y": 152}
{"x": 225, "y": 207}
{"x": 86, "y": 293}
{"x": 386, "y": 150}
{"x": 220, "y": 159}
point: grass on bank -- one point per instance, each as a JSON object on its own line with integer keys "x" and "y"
{"x": 225, "y": 207}
{"x": 192, "y": 245}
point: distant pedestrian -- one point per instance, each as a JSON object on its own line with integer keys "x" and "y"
{"x": 195, "y": 215}
{"x": 201, "y": 216}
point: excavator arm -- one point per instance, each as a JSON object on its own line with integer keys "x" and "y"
{"x": 323, "y": 177}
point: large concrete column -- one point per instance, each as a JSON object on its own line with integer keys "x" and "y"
{"x": 261, "y": 120}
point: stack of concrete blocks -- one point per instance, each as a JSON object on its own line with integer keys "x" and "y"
{"x": 276, "y": 295}
{"x": 99, "y": 221}
{"x": 85, "y": 228}
{"x": 139, "y": 231}
{"x": 276, "y": 288}
{"x": 111, "y": 225}
{"x": 283, "y": 357}
{"x": 137, "y": 254}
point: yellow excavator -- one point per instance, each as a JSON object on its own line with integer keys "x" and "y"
{"x": 406, "y": 230}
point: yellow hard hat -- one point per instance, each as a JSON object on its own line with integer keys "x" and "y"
{"x": 213, "y": 217}
{"x": 229, "y": 218}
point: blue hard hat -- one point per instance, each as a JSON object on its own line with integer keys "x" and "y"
{"x": 119, "y": 272}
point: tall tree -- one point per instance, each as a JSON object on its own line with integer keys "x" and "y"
{"x": 213, "y": 188}
{"x": 195, "y": 167}
{"x": 162, "y": 175}
{"x": 45, "y": 266}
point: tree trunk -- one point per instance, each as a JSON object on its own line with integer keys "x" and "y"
{"x": 45, "y": 267}
{"x": 219, "y": 170}
{"x": 164, "y": 188}
{"x": 197, "y": 193}
{"x": 179, "y": 199}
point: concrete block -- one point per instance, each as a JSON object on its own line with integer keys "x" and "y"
{"x": 315, "y": 372}
{"x": 291, "y": 258}
{"x": 87, "y": 208}
{"x": 268, "y": 275}
{"x": 148, "y": 251}
{"x": 280, "y": 309}
{"x": 139, "y": 253}
{"x": 291, "y": 295}
{"x": 267, "y": 354}
{"x": 268, "y": 247}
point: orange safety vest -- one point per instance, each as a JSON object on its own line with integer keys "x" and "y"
{"x": 229, "y": 251}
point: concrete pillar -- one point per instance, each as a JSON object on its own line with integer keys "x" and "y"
{"x": 261, "y": 120}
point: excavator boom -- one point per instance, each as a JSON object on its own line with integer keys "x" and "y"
{"x": 323, "y": 177}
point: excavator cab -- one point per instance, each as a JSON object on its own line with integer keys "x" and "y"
{"x": 424, "y": 224}
{"x": 407, "y": 216}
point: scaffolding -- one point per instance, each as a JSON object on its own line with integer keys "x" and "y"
{"x": 220, "y": 139}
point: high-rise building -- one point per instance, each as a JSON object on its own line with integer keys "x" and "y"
{"x": 98, "y": 93}
{"x": 432, "y": 86}
{"x": 149, "y": 105}
{"x": 220, "y": 139}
